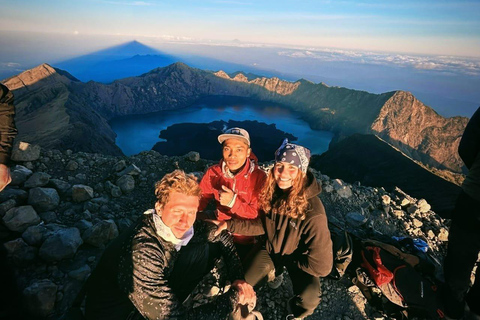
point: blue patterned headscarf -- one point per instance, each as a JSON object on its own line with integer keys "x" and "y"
{"x": 293, "y": 153}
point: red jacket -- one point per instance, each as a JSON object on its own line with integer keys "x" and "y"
{"x": 246, "y": 184}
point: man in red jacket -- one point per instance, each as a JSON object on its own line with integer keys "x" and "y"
{"x": 234, "y": 184}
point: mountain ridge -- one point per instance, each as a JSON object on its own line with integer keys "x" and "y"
{"x": 340, "y": 110}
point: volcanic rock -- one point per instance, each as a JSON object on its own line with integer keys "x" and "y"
{"x": 81, "y": 193}
{"x": 38, "y": 179}
{"x": 23, "y": 151}
{"x": 40, "y": 298}
{"x": 61, "y": 244}
{"x": 20, "y": 218}
{"x": 43, "y": 199}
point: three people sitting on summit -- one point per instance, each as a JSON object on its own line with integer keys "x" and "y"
{"x": 150, "y": 271}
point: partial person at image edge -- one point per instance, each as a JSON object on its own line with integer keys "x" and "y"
{"x": 8, "y": 132}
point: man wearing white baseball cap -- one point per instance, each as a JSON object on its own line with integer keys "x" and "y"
{"x": 234, "y": 184}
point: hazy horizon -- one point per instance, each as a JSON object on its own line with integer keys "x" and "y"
{"x": 431, "y": 49}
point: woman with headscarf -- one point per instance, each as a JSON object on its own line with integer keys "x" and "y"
{"x": 295, "y": 227}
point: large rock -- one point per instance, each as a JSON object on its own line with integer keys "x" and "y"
{"x": 355, "y": 219}
{"x": 120, "y": 165}
{"x": 23, "y": 151}
{"x": 81, "y": 273}
{"x": 19, "y": 175}
{"x": 61, "y": 186}
{"x": 81, "y": 193}
{"x": 35, "y": 235}
{"x": 423, "y": 206}
{"x": 72, "y": 165}
{"x": 101, "y": 233}
{"x": 126, "y": 183}
{"x": 20, "y": 218}
{"x": 342, "y": 189}
{"x": 19, "y": 252}
{"x": 7, "y": 205}
{"x": 43, "y": 199}
{"x": 345, "y": 192}
{"x": 38, "y": 179}
{"x": 192, "y": 156}
{"x": 61, "y": 244}
{"x": 132, "y": 170}
{"x": 40, "y": 298}
{"x": 18, "y": 195}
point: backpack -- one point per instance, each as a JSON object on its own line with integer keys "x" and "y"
{"x": 342, "y": 252}
{"x": 394, "y": 273}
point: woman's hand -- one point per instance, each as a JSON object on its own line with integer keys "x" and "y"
{"x": 221, "y": 225}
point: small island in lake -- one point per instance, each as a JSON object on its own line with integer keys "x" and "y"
{"x": 202, "y": 137}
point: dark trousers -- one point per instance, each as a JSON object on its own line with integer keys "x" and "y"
{"x": 462, "y": 254}
{"x": 306, "y": 287}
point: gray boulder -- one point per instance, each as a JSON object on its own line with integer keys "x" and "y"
{"x": 83, "y": 225}
{"x": 119, "y": 166}
{"x": 126, "y": 183}
{"x": 80, "y": 274}
{"x": 7, "y": 205}
{"x": 19, "y": 252}
{"x": 132, "y": 170}
{"x": 81, "y": 193}
{"x": 345, "y": 192}
{"x": 18, "y": 195}
{"x": 116, "y": 192}
{"x": 101, "y": 233}
{"x": 355, "y": 219}
{"x": 48, "y": 216}
{"x": 19, "y": 175}
{"x": 61, "y": 244}
{"x": 61, "y": 186}
{"x": 72, "y": 165}
{"x": 40, "y": 298}
{"x": 38, "y": 179}
{"x": 43, "y": 199}
{"x": 34, "y": 235}
{"x": 20, "y": 218}
{"x": 192, "y": 156}
{"x": 23, "y": 151}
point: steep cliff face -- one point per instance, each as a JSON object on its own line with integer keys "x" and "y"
{"x": 273, "y": 84}
{"x": 420, "y": 132}
{"x": 49, "y": 115}
{"x": 372, "y": 161}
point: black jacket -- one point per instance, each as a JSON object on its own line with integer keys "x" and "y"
{"x": 139, "y": 270}
{"x": 8, "y": 130}
{"x": 469, "y": 146}
{"x": 306, "y": 243}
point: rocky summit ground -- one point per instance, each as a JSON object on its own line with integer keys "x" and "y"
{"x": 63, "y": 208}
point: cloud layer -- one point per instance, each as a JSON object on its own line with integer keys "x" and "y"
{"x": 446, "y": 64}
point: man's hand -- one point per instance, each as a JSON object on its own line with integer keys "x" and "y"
{"x": 246, "y": 294}
{"x": 5, "y": 177}
{"x": 221, "y": 225}
{"x": 225, "y": 195}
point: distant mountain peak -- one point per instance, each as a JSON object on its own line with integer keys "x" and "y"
{"x": 273, "y": 84}
{"x": 41, "y": 72}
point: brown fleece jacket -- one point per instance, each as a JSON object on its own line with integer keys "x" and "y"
{"x": 306, "y": 242}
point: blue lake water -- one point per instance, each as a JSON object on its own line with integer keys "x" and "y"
{"x": 137, "y": 133}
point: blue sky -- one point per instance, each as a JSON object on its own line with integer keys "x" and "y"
{"x": 428, "y": 47}
{"x": 423, "y": 27}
